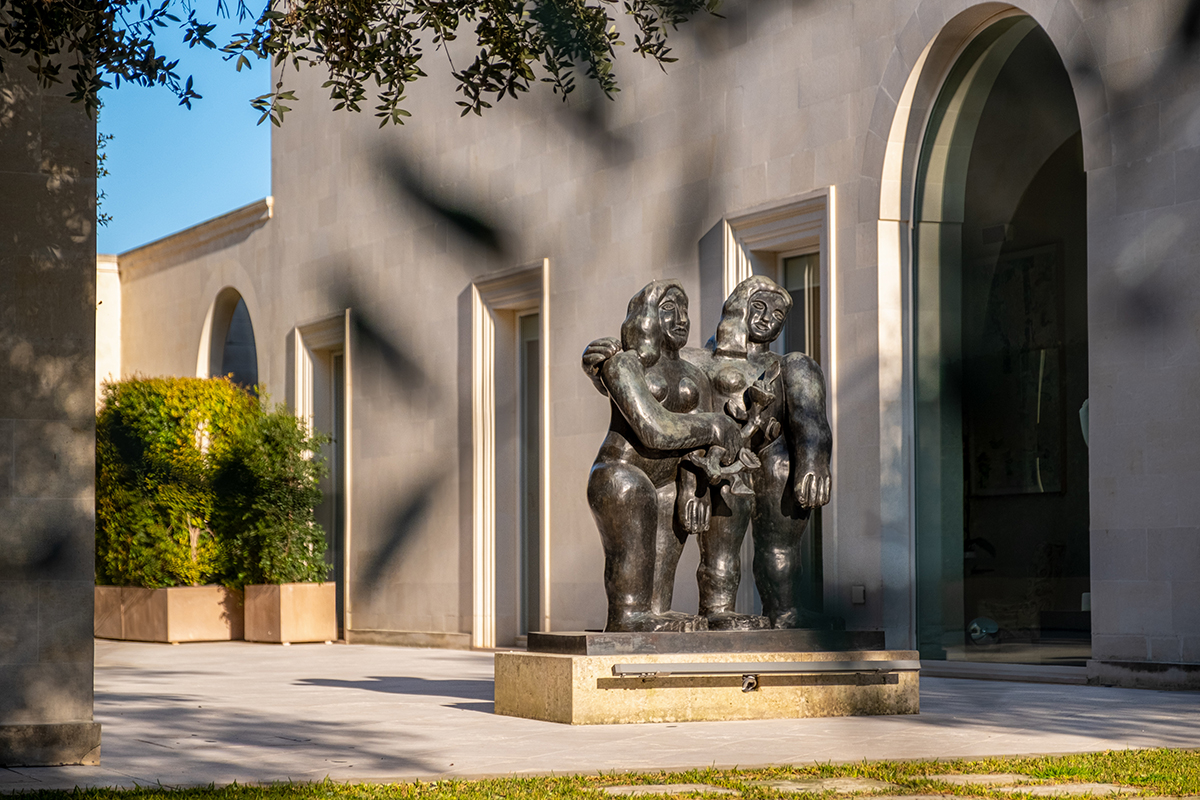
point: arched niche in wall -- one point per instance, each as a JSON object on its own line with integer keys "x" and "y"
{"x": 968, "y": 157}
{"x": 982, "y": 244}
{"x": 227, "y": 345}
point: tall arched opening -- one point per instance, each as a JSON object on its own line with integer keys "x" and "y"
{"x": 227, "y": 346}
{"x": 999, "y": 358}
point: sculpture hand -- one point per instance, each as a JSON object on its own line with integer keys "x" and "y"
{"x": 696, "y": 514}
{"x": 812, "y": 491}
{"x": 727, "y": 434}
{"x": 594, "y": 356}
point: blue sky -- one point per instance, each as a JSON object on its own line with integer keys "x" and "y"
{"x": 171, "y": 168}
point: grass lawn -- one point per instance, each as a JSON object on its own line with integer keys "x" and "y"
{"x": 1150, "y": 772}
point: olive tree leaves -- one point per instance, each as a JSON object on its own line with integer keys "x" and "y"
{"x": 102, "y": 43}
{"x": 380, "y": 44}
{"x": 372, "y": 49}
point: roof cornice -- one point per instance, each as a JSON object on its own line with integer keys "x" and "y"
{"x": 196, "y": 238}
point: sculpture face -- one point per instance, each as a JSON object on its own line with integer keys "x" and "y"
{"x": 767, "y": 315}
{"x": 673, "y": 319}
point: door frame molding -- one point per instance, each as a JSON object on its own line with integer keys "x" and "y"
{"x": 523, "y": 289}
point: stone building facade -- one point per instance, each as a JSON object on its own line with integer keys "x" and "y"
{"x": 988, "y": 217}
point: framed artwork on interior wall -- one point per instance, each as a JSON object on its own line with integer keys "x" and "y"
{"x": 1012, "y": 373}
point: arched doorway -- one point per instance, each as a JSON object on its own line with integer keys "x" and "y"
{"x": 230, "y": 342}
{"x": 999, "y": 293}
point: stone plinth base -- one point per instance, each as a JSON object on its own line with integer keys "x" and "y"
{"x": 582, "y": 690}
{"x": 789, "y": 640}
{"x": 50, "y": 745}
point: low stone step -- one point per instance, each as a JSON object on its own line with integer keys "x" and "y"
{"x": 665, "y": 788}
{"x": 841, "y": 785}
{"x": 1001, "y": 779}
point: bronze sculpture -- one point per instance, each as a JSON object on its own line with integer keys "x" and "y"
{"x": 773, "y": 472}
{"x": 661, "y": 409}
{"x": 783, "y": 399}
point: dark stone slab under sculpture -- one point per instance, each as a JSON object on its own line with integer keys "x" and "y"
{"x": 796, "y": 640}
{"x": 706, "y": 441}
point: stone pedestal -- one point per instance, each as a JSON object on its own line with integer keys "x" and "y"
{"x": 583, "y": 689}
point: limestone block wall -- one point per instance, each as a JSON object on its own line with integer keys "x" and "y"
{"x": 756, "y": 112}
{"x": 108, "y": 322}
{"x": 47, "y": 424}
{"x": 783, "y": 99}
{"x": 168, "y": 288}
{"x": 1144, "y": 319}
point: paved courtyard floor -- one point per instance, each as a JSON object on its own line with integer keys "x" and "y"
{"x": 216, "y": 713}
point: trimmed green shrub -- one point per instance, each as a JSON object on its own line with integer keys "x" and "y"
{"x": 267, "y": 488}
{"x": 197, "y": 482}
{"x": 157, "y": 443}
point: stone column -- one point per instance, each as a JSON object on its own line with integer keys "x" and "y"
{"x": 47, "y": 423}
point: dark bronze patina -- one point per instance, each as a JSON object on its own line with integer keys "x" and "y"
{"x": 706, "y": 441}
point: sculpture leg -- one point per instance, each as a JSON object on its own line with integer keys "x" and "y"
{"x": 720, "y": 570}
{"x": 625, "y": 506}
{"x": 668, "y": 547}
{"x": 778, "y": 527}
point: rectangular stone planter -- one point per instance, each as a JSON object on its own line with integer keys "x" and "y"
{"x": 581, "y": 690}
{"x": 176, "y": 614}
{"x": 291, "y": 612}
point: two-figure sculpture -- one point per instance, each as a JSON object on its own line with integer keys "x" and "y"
{"x": 706, "y": 441}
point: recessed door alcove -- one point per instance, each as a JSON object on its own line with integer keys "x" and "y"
{"x": 999, "y": 318}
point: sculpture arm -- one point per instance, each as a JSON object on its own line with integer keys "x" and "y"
{"x": 659, "y": 429}
{"x": 810, "y": 441}
{"x": 594, "y": 356}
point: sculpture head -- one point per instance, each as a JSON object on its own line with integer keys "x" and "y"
{"x": 753, "y": 313}
{"x": 657, "y": 320}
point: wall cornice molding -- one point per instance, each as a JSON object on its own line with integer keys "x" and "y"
{"x": 192, "y": 241}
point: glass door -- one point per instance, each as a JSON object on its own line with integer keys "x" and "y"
{"x": 1000, "y": 360}
{"x": 802, "y": 334}
{"x": 530, "y": 427}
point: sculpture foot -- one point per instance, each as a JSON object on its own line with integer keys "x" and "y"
{"x": 729, "y": 621}
{"x": 803, "y": 618}
{"x": 673, "y": 621}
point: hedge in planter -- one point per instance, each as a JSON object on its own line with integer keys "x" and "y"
{"x": 267, "y": 485}
{"x": 158, "y": 443}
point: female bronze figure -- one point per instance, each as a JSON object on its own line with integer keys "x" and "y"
{"x": 661, "y": 409}
{"x": 781, "y": 402}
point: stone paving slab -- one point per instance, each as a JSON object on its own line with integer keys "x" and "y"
{"x": 215, "y": 713}
{"x": 817, "y": 785}
{"x": 1072, "y": 790}
{"x": 666, "y": 788}
{"x": 999, "y": 779}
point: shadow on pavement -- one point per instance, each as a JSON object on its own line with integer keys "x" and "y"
{"x": 207, "y": 734}
{"x": 485, "y": 708}
{"x": 1139, "y": 716}
{"x": 426, "y": 687}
